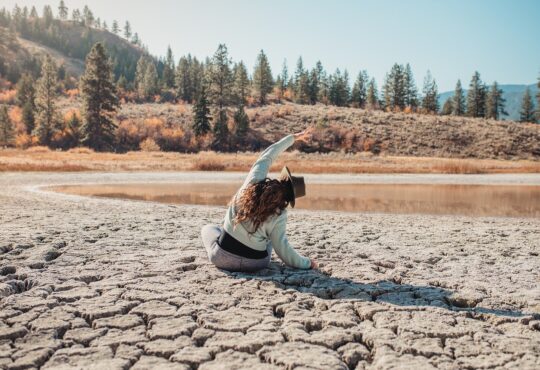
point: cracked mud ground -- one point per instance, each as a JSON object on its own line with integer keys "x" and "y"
{"x": 115, "y": 284}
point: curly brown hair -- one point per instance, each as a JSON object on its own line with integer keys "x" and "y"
{"x": 261, "y": 200}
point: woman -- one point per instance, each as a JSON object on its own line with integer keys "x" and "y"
{"x": 256, "y": 218}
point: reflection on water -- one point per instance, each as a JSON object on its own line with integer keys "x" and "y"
{"x": 474, "y": 200}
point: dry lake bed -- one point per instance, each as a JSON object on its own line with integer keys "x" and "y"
{"x": 103, "y": 283}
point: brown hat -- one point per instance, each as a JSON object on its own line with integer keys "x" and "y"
{"x": 296, "y": 183}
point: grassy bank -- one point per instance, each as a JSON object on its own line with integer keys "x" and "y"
{"x": 43, "y": 159}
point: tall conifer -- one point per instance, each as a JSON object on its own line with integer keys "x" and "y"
{"x": 262, "y": 77}
{"x": 476, "y": 97}
{"x": 168, "y": 70}
{"x": 25, "y": 99}
{"x": 220, "y": 79}
{"x": 526, "y": 113}
{"x": 46, "y": 93}
{"x": 201, "y": 115}
{"x": 430, "y": 102}
{"x": 241, "y": 121}
{"x": 62, "y": 10}
{"x": 6, "y": 127}
{"x": 458, "y": 100}
{"x": 359, "y": 90}
{"x": 372, "y": 96}
{"x": 240, "y": 87}
{"x": 538, "y": 101}
{"x": 495, "y": 102}
{"x": 99, "y": 101}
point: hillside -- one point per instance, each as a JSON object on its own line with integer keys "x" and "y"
{"x": 68, "y": 42}
{"x": 349, "y": 130}
{"x": 512, "y": 93}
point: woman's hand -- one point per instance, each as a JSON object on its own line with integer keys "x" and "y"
{"x": 314, "y": 264}
{"x": 304, "y": 136}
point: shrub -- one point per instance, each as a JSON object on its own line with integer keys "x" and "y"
{"x": 208, "y": 164}
{"x": 72, "y": 93}
{"x": 8, "y": 96}
{"x": 173, "y": 139}
{"x": 149, "y": 145}
{"x": 368, "y": 145}
{"x": 23, "y": 141}
{"x": 127, "y": 135}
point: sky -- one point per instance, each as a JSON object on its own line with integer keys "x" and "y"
{"x": 452, "y": 39}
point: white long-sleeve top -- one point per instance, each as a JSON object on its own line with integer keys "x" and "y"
{"x": 274, "y": 228}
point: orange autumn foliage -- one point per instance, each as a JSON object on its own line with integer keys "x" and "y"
{"x": 72, "y": 93}
{"x": 8, "y": 96}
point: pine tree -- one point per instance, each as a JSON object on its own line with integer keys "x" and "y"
{"x": 33, "y": 13}
{"x": 411, "y": 92}
{"x": 283, "y": 78}
{"x": 183, "y": 79}
{"x": 538, "y": 101}
{"x": 262, "y": 77}
{"x": 476, "y": 97}
{"x": 115, "y": 28}
{"x": 99, "y": 101}
{"x": 62, "y": 10}
{"x": 313, "y": 86}
{"x": 240, "y": 87}
{"x": 220, "y": 81}
{"x": 458, "y": 100}
{"x": 201, "y": 112}
{"x": 430, "y": 102}
{"x": 6, "y": 127}
{"x": 127, "y": 31}
{"x": 527, "y": 108}
{"x": 372, "y": 96}
{"x": 76, "y": 15}
{"x": 135, "y": 40}
{"x": 324, "y": 88}
{"x": 359, "y": 90}
{"x": 221, "y": 129}
{"x": 46, "y": 93}
{"x": 105, "y": 26}
{"x": 88, "y": 16}
{"x": 25, "y": 99}
{"x": 28, "y": 117}
{"x": 447, "y": 108}
{"x": 146, "y": 78}
{"x": 48, "y": 16}
{"x": 25, "y": 90}
{"x": 495, "y": 102}
{"x": 339, "y": 88}
{"x": 168, "y": 70}
{"x": 394, "y": 88}
{"x": 301, "y": 83}
{"x": 241, "y": 121}
{"x": 74, "y": 129}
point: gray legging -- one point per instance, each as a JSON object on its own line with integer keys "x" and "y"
{"x": 226, "y": 260}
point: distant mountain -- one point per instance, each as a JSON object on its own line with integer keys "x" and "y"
{"x": 512, "y": 93}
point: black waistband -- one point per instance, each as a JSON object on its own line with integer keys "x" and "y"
{"x": 231, "y": 245}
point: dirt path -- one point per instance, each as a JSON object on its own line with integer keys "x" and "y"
{"x": 117, "y": 284}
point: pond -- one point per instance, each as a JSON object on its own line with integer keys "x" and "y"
{"x": 470, "y": 200}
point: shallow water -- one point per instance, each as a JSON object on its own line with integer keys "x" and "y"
{"x": 471, "y": 200}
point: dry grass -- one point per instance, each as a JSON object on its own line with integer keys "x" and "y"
{"x": 38, "y": 149}
{"x": 82, "y": 159}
